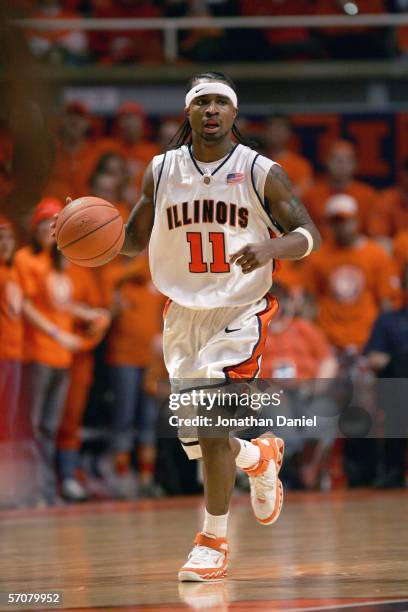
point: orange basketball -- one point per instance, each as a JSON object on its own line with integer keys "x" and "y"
{"x": 90, "y": 231}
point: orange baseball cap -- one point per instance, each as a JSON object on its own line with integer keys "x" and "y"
{"x": 44, "y": 210}
{"x": 341, "y": 205}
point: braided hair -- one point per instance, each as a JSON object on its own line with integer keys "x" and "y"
{"x": 183, "y": 134}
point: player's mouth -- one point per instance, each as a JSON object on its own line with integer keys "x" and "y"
{"x": 211, "y": 126}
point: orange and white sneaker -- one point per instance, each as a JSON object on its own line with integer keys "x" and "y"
{"x": 266, "y": 488}
{"x": 207, "y": 562}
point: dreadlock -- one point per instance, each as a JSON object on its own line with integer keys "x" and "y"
{"x": 183, "y": 134}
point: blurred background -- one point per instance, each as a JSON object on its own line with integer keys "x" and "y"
{"x": 91, "y": 90}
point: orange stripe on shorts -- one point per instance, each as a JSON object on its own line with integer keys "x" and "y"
{"x": 248, "y": 369}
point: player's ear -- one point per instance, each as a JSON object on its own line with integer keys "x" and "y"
{"x": 187, "y": 111}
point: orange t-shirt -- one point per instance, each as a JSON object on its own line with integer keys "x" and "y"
{"x": 85, "y": 286}
{"x": 288, "y": 274}
{"x": 139, "y": 319}
{"x": 389, "y": 214}
{"x": 298, "y": 169}
{"x": 51, "y": 292}
{"x": 350, "y": 285}
{"x": 316, "y": 197}
{"x": 401, "y": 251}
{"x": 295, "y": 351}
{"x": 11, "y": 320}
{"x": 71, "y": 172}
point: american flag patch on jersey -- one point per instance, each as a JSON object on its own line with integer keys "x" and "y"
{"x": 235, "y": 177}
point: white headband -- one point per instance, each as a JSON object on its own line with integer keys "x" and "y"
{"x": 202, "y": 89}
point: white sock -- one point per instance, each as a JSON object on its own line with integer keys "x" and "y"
{"x": 215, "y": 526}
{"x": 249, "y": 455}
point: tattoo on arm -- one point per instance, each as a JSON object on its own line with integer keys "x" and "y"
{"x": 285, "y": 207}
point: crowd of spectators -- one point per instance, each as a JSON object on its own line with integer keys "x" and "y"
{"x": 80, "y": 46}
{"x": 90, "y": 339}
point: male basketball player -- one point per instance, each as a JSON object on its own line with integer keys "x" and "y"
{"x": 208, "y": 207}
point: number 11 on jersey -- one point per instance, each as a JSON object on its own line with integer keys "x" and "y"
{"x": 197, "y": 264}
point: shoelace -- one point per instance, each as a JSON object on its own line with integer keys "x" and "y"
{"x": 202, "y": 554}
{"x": 262, "y": 483}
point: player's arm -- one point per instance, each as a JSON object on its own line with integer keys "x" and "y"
{"x": 301, "y": 236}
{"x": 140, "y": 222}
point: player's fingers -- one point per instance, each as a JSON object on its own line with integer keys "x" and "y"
{"x": 235, "y": 256}
{"x": 251, "y": 268}
{"x": 241, "y": 261}
{"x": 248, "y": 258}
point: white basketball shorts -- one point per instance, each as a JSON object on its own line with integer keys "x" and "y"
{"x": 218, "y": 343}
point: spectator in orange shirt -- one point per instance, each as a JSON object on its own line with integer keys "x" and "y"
{"x": 297, "y": 349}
{"x": 400, "y": 250}
{"x": 353, "y": 278}
{"x": 87, "y": 293}
{"x": 390, "y": 211}
{"x": 341, "y": 166}
{"x": 75, "y": 156}
{"x": 49, "y": 341}
{"x": 11, "y": 331}
{"x": 136, "y": 309}
{"x": 278, "y": 135}
{"x": 129, "y": 141}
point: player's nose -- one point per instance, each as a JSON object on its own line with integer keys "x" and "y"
{"x": 212, "y": 109}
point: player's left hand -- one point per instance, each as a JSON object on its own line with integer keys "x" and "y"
{"x": 252, "y": 256}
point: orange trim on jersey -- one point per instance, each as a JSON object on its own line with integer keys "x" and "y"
{"x": 249, "y": 368}
{"x": 166, "y": 307}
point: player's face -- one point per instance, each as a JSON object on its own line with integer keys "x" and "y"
{"x": 7, "y": 244}
{"x": 211, "y": 116}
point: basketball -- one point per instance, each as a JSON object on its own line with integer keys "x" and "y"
{"x": 90, "y": 231}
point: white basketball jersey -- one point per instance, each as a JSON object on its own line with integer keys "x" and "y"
{"x": 205, "y": 212}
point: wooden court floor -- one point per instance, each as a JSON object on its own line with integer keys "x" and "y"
{"x": 328, "y": 551}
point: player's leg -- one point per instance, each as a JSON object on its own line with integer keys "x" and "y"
{"x": 208, "y": 561}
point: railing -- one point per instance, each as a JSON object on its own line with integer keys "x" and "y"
{"x": 171, "y": 26}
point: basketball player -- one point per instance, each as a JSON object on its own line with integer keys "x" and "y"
{"x": 210, "y": 207}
